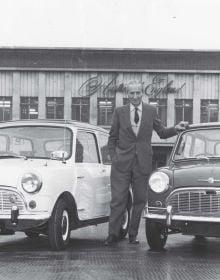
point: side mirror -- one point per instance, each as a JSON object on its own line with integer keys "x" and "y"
{"x": 59, "y": 155}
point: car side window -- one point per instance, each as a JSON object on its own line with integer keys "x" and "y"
{"x": 3, "y": 143}
{"x": 217, "y": 149}
{"x": 199, "y": 147}
{"x": 103, "y": 140}
{"x": 184, "y": 147}
{"x": 86, "y": 148}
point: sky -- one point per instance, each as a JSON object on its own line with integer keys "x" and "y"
{"x": 144, "y": 24}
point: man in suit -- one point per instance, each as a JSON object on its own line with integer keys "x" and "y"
{"x": 131, "y": 153}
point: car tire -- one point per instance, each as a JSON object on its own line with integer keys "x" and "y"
{"x": 59, "y": 226}
{"x": 125, "y": 223}
{"x": 31, "y": 234}
{"x": 156, "y": 235}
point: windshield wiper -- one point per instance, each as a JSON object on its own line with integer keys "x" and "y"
{"x": 8, "y": 155}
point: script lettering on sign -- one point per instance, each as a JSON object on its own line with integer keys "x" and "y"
{"x": 90, "y": 86}
{"x": 94, "y": 84}
{"x": 155, "y": 88}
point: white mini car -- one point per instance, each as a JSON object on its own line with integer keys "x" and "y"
{"x": 55, "y": 177}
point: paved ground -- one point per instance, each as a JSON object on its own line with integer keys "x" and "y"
{"x": 86, "y": 258}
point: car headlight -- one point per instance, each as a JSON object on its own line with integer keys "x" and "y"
{"x": 159, "y": 182}
{"x": 31, "y": 182}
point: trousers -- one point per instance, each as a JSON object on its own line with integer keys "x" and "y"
{"x": 120, "y": 184}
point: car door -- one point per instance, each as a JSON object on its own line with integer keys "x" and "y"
{"x": 90, "y": 175}
{"x": 104, "y": 191}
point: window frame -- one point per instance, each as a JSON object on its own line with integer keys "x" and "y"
{"x": 6, "y": 99}
{"x": 96, "y": 145}
{"x": 29, "y": 104}
{"x": 209, "y": 102}
{"x": 55, "y": 107}
{"x": 182, "y": 107}
{"x": 107, "y": 122}
{"x": 80, "y": 105}
{"x": 159, "y": 108}
{"x": 109, "y": 162}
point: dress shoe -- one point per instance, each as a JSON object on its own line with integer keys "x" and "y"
{"x": 133, "y": 240}
{"x": 111, "y": 240}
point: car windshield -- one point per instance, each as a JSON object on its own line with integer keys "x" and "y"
{"x": 34, "y": 141}
{"x": 199, "y": 144}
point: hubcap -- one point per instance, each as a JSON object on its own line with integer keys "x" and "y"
{"x": 65, "y": 225}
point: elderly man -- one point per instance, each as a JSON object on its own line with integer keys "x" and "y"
{"x": 131, "y": 153}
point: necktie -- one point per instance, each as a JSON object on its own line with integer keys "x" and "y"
{"x": 136, "y": 116}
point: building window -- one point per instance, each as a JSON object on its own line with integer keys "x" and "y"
{"x": 209, "y": 110}
{"x": 55, "y": 107}
{"x": 183, "y": 110}
{"x": 80, "y": 109}
{"x": 106, "y": 107}
{"x": 5, "y": 108}
{"x": 161, "y": 106}
{"x": 29, "y": 107}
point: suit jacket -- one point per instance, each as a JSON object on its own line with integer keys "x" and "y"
{"x": 124, "y": 145}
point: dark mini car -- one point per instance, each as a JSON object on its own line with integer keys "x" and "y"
{"x": 184, "y": 196}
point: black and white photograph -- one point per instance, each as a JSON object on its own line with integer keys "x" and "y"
{"x": 109, "y": 140}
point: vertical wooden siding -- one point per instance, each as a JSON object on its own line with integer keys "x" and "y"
{"x": 184, "y": 81}
{"x": 55, "y": 84}
{"x": 6, "y": 83}
{"x": 208, "y": 85}
{"x": 77, "y": 80}
{"x": 29, "y": 83}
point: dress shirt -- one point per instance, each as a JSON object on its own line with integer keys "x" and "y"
{"x": 135, "y": 126}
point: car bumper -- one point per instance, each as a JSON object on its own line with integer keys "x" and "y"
{"x": 187, "y": 224}
{"x": 19, "y": 222}
{"x": 166, "y": 215}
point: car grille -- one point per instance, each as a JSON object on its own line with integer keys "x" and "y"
{"x": 195, "y": 202}
{"x": 5, "y": 203}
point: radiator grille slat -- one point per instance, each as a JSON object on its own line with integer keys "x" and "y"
{"x": 194, "y": 201}
{"x": 5, "y": 203}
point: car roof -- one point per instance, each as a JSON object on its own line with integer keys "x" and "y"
{"x": 204, "y": 125}
{"x": 70, "y": 123}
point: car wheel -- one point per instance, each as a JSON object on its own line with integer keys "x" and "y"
{"x": 125, "y": 223}
{"x": 59, "y": 226}
{"x": 31, "y": 234}
{"x": 156, "y": 235}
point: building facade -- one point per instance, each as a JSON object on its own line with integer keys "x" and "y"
{"x": 87, "y": 84}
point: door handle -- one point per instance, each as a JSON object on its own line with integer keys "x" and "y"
{"x": 80, "y": 177}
